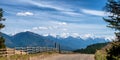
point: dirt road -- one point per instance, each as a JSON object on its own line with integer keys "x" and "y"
{"x": 68, "y": 57}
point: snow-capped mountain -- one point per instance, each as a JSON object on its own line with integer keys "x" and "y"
{"x": 32, "y": 39}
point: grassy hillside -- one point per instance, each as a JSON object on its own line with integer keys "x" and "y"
{"x": 91, "y": 49}
{"x": 109, "y": 52}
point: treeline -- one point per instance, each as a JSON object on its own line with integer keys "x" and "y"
{"x": 91, "y": 49}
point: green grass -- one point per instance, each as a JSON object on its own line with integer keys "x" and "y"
{"x": 15, "y": 57}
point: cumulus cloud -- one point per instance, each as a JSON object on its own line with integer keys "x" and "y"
{"x": 62, "y": 23}
{"x": 93, "y": 12}
{"x": 85, "y": 36}
{"x": 40, "y": 28}
{"x": 61, "y": 26}
{"x": 43, "y": 28}
{"x": 35, "y": 28}
{"x": 64, "y": 29}
{"x": 25, "y": 14}
{"x": 26, "y": 30}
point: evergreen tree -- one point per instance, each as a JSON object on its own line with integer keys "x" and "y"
{"x": 113, "y": 8}
{"x": 2, "y": 40}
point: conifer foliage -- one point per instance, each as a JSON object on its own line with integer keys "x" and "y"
{"x": 113, "y": 8}
{"x": 2, "y": 40}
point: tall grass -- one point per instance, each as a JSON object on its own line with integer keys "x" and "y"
{"x": 26, "y": 56}
{"x": 15, "y": 57}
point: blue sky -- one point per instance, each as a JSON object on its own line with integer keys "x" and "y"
{"x": 56, "y": 17}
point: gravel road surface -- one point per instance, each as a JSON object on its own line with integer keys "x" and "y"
{"x": 67, "y": 57}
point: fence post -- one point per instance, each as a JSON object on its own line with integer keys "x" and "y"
{"x": 36, "y": 49}
{"x": 5, "y": 50}
{"x": 55, "y": 46}
{"x": 46, "y": 49}
{"x": 59, "y": 49}
{"x": 39, "y": 49}
{"x": 21, "y": 51}
{"x": 14, "y": 51}
{"x": 26, "y": 50}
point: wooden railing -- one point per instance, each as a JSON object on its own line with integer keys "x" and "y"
{"x": 7, "y": 52}
{"x": 26, "y": 50}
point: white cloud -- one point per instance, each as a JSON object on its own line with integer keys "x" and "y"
{"x": 63, "y": 9}
{"x": 62, "y": 23}
{"x": 72, "y": 13}
{"x": 43, "y": 28}
{"x": 47, "y": 5}
{"x": 40, "y": 28}
{"x": 94, "y": 12}
{"x": 35, "y": 28}
{"x": 85, "y": 36}
{"x": 24, "y": 14}
{"x": 26, "y": 30}
{"x": 64, "y": 29}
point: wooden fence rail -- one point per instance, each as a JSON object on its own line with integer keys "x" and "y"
{"x": 7, "y": 52}
{"x": 25, "y": 50}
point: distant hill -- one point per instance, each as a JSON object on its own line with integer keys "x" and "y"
{"x": 24, "y": 39}
{"x": 8, "y": 40}
{"x": 91, "y": 49}
{"x": 77, "y": 43}
{"x": 30, "y": 39}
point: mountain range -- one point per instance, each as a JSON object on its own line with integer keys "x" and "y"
{"x": 28, "y": 38}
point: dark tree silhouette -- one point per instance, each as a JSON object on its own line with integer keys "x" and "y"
{"x": 113, "y": 9}
{"x": 2, "y": 40}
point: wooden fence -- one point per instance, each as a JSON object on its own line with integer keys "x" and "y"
{"x": 7, "y": 52}
{"x": 26, "y": 50}
{"x": 32, "y": 50}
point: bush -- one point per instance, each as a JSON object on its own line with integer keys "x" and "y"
{"x": 100, "y": 55}
{"x": 114, "y": 52}
{"x": 110, "y": 52}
